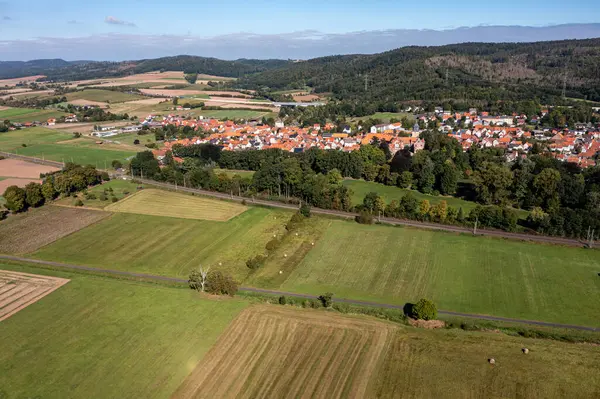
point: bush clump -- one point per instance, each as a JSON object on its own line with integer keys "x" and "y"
{"x": 256, "y": 262}
{"x": 78, "y": 202}
{"x": 326, "y": 299}
{"x": 218, "y": 283}
{"x": 273, "y": 244}
{"x": 102, "y": 197}
{"x": 364, "y": 218}
{"x": 424, "y": 310}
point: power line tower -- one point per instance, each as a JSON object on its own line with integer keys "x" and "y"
{"x": 366, "y": 75}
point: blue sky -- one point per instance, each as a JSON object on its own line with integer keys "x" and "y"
{"x": 28, "y": 19}
{"x": 299, "y": 29}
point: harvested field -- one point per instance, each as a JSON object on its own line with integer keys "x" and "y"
{"x": 27, "y": 94}
{"x": 83, "y": 103}
{"x": 32, "y": 230}
{"x": 22, "y": 169}
{"x": 99, "y": 95}
{"x": 11, "y": 181}
{"x": 281, "y": 352}
{"x": 146, "y": 101}
{"x": 170, "y": 92}
{"x": 19, "y": 290}
{"x": 226, "y": 93}
{"x": 164, "y": 203}
{"x": 14, "y": 81}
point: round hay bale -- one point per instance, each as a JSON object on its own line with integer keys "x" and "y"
{"x": 285, "y": 255}
{"x": 492, "y": 360}
{"x": 281, "y": 272}
{"x": 296, "y": 234}
{"x": 220, "y": 264}
{"x": 525, "y": 351}
{"x": 274, "y": 235}
{"x": 313, "y": 244}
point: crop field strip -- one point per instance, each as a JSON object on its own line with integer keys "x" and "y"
{"x": 19, "y": 290}
{"x": 161, "y": 203}
{"x": 39, "y": 227}
{"x": 460, "y": 273}
{"x": 105, "y": 338}
{"x": 275, "y": 352}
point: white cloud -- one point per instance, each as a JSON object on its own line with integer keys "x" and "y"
{"x": 116, "y": 21}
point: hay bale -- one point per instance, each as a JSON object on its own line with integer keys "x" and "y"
{"x": 285, "y": 255}
{"x": 281, "y": 272}
{"x": 313, "y": 244}
{"x": 525, "y": 351}
{"x": 492, "y": 360}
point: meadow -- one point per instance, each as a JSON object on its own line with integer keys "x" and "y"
{"x": 461, "y": 273}
{"x": 176, "y": 205}
{"x": 387, "y": 116}
{"x": 120, "y": 189}
{"x": 223, "y": 114}
{"x": 361, "y": 188}
{"x": 104, "y": 338}
{"x": 232, "y": 172}
{"x": 23, "y": 115}
{"x": 169, "y": 246}
{"x": 54, "y": 145}
{"x": 106, "y": 96}
{"x": 274, "y": 351}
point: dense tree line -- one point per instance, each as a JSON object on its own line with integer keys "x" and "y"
{"x": 468, "y": 71}
{"x": 73, "y": 178}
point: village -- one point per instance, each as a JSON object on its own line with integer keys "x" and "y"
{"x": 579, "y": 145}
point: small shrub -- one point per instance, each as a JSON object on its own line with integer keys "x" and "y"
{"x": 273, "y": 244}
{"x": 102, "y": 197}
{"x": 306, "y": 304}
{"x": 125, "y": 192}
{"x": 136, "y": 142}
{"x": 364, "y": 218}
{"x": 78, "y": 202}
{"x": 256, "y": 262}
{"x": 23, "y": 145}
{"x": 424, "y": 310}
{"x": 244, "y": 202}
{"x": 326, "y": 299}
{"x": 90, "y": 196}
{"x": 295, "y": 221}
{"x": 110, "y": 190}
{"x": 282, "y": 300}
{"x": 305, "y": 210}
{"x": 114, "y": 199}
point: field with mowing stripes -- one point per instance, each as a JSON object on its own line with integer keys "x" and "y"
{"x": 29, "y": 231}
{"x": 273, "y": 351}
{"x": 164, "y": 203}
{"x": 105, "y": 338}
{"x": 19, "y": 290}
{"x": 276, "y": 352}
{"x": 100, "y": 95}
{"x": 459, "y": 272}
{"x": 170, "y": 246}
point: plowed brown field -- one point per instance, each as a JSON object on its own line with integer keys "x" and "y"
{"x": 32, "y": 230}
{"x": 19, "y": 290}
{"x": 277, "y": 352}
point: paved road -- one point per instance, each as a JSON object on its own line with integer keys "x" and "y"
{"x": 392, "y": 221}
{"x": 291, "y": 294}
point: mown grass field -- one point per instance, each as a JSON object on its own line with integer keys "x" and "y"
{"x": 459, "y": 272}
{"x": 386, "y": 116}
{"x": 54, "y": 145}
{"x": 232, "y": 114}
{"x": 231, "y": 172}
{"x": 107, "y": 96}
{"x": 176, "y": 205}
{"x": 32, "y": 230}
{"x": 104, "y": 338}
{"x": 170, "y": 246}
{"x": 22, "y": 115}
{"x": 120, "y": 189}
{"x": 273, "y": 351}
{"x": 361, "y": 188}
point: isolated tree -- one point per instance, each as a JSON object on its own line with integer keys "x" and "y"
{"x": 220, "y": 284}
{"x": 116, "y": 164}
{"x": 175, "y": 100}
{"x": 326, "y": 299}
{"x": 197, "y": 279}
{"x": 424, "y": 310}
{"x": 16, "y": 199}
{"x": 33, "y": 194}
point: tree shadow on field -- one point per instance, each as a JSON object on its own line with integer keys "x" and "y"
{"x": 408, "y": 309}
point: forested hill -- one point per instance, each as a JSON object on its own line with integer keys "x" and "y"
{"x": 469, "y": 71}
{"x": 78, "y": 70}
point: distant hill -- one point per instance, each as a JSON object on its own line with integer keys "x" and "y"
{"x": 482, "y": 71}
{"x": 77, "y": 70}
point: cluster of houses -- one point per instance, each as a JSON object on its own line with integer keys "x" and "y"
{"x": 576, "y": 145}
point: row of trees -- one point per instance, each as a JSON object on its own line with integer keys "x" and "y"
{"x": 71, "y": 179}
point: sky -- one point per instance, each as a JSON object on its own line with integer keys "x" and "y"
{"x": 37, "y": 21}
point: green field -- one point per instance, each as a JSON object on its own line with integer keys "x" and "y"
{"x": 459, "y": 272}
{"x": 361, "y": 188}
{"x": 170, "y": 246}
{"x": 120, "y": 187}
{"x": 232, "y": 113}
{"x": 103, "y": 338}
{"x": 107, "y": 96}
{"x": 54, "y": 145}
{"x": 386, "y": 116}
{"x": 231, "y": 172}
{"x": 22, "y": 115}
{"x": 176, "y": 205}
